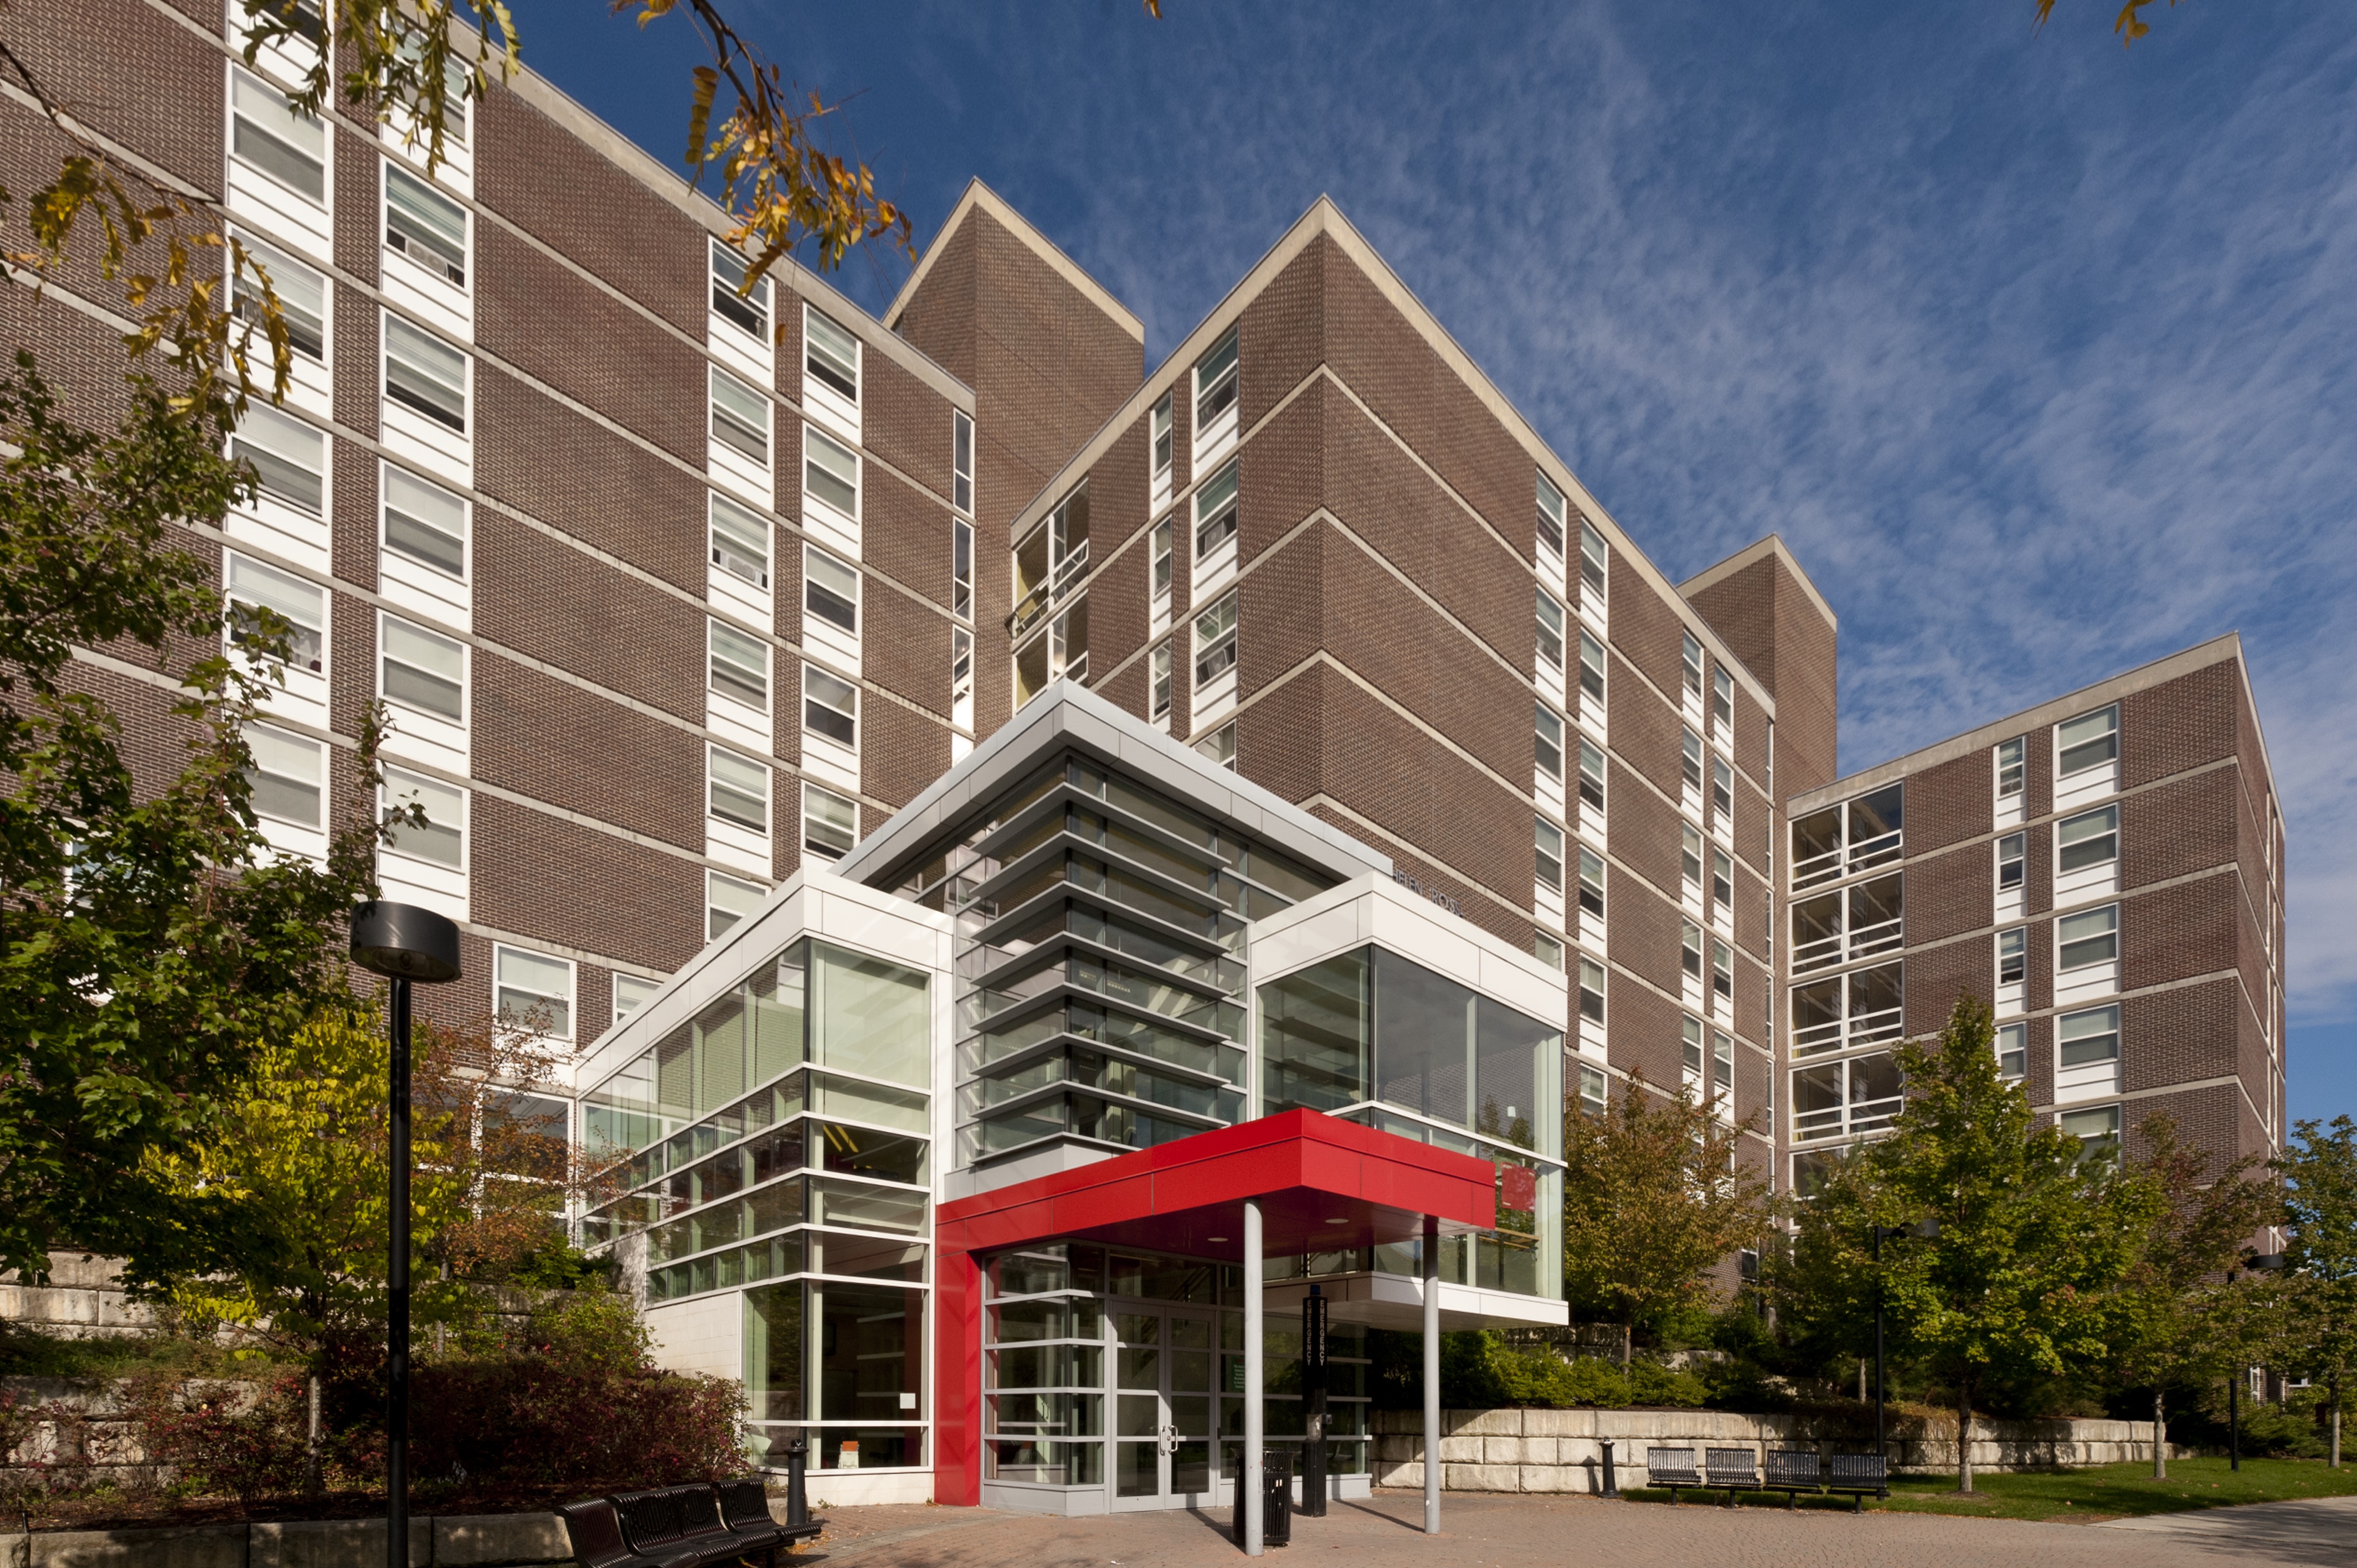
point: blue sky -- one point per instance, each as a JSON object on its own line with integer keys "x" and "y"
{"x": 2035, "y": 351}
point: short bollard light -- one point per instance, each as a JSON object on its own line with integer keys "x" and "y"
{"x": 1611, "y": 1487}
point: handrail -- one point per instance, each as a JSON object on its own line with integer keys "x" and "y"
{"x": 1876, "y": 850}
{"x": 1825, "y": 867}
{"x": 1881, "y": 937}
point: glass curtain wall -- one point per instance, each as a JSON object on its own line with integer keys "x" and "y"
{"x": 778, "y": 1140}
{"x": 1090, "y": 1351}
{"x": 1373, "y": 1038}
{"x": 1099, "y": 976}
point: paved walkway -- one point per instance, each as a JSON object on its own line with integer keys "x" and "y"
{"x": 1490, "y": 1530}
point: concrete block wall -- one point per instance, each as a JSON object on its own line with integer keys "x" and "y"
{"x": 1562, "y": 1450}
{"x": 459, "y": 1540}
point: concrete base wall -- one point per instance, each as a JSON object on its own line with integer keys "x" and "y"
{"x": 460, "y": 1541}
{"x": 1562, "y": 1450}
{"x": 84, "y": 1299}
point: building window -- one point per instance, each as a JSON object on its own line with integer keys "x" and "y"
{"x": 1550, "y": 623}
{"x": 831, "y": 354}
{"x": 740, "y": 416}
{"x": 631, "y": 993}
{"x": 741, "y": 542}
{"x": 1215, "y": 511}
{"x": 962, "y": 569}
{"x": 1160, "y": 436}
{"x": 424, "y": 225}
{"x": 2087, "y": 938}
{"x": 1722, "y": 789}
{"x": 1547, "y": 950}
{"x": 1690, "y": 661}
{"x": 962, "y": 677}
{"x": 423, "y": 522}
{"x": 2089, "y": 1037}
{"x": 302, "y": 296}
{"x": 2098, "y": 1132}
{"x": 740, "y": 665}
{"x": 2009, "y": 770}
{"x": 441, "y": 839}
{"x": 1722, "y": 1065}
{"x": 830, "y": 590}
{"x": 1722, "y": 969}
{"x": 1550, "y": 516}
{"x": 1591, "y": 775}
{"x": 2088, "y": 741}
{"x": 2013, "y": 1050}
{"x": 1550, "y": 854}
{"x": 1690, "y": 860}
{"x": 267, "y": 135}
{"x": 1722, "y": 880}
{"x": 1215, "y": 641}
{"x": 2089, "y": 839}
{"x": 424, "y": 670}
{"x": 830, "y": 707}
{"x": 1161, "y": 550}
{"x": 1215, "y": 380}
{"x": 533, "y": 989}
{"x": 728, "y": 901}
{"x": 736, "y": 788}
{"x": 830, "y": 472}
{"x": 286, "y": 782}
{"x": 1591, "y": 990}
{"x": 302, "y": 605}
{"x": 2012, "y": 955}
{"x": 830, "y": 822}
{"x": 1220, "y": 746}
{"x": 1591, "y": 559}
{"x": 747, "y": 309}
{"x": 1591, "y": 882}
{"x": 1548, "y": 734}
{"x": 1722, "y": 704}
{"x": 1161, "y": 678}
{"x": 1690, "y": 950}
{"x": 962, "y": 460}
{"x": 1591, "y": 667}
{"x": 1690, "y": 745}
{"x": 289, "y": 458}
{"x": 1691, "y": 1057}
{"x": 2010, "y": 853}
{"x": 1591, "y": 1090}
{"x": 424, "y": 373}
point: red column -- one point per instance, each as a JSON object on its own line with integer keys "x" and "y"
{"x": 957, "y": 1380}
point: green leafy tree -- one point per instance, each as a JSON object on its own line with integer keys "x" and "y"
{"x": 1655, "y": 1196}
{"x": 2034, "y": 1234}
{"x": 2187, "y": 1320}
{"x": 151, "y": 943}
{"x": 2320, "y": 1178}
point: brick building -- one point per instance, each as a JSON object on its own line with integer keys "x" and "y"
{"x": 680, "y": 599}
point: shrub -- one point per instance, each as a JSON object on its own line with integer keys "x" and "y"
{"x": 226, "y": 1439}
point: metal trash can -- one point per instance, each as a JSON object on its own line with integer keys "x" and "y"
{"x": 1276, "y": 1500}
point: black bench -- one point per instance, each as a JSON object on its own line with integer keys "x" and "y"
{"x": 745, "y": 1509}
{"x": 1859, "y": 1475}
{"x": 1792, "y": 1471}
{"x": 1674, "y": 1469}
{"x": 595, "y": 1533}
{"x": 680, "y": 1527}
{"x": 1736, "y": 1469}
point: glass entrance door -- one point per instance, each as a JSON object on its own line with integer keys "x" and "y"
{"x": 1163, "y": 1372}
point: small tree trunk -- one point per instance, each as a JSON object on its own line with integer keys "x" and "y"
{"x": 311, "y": 1478}
{"x": 1862, "y": 1395}
{"x": 1628, "y": 1332}
{"x": 1963, "y": 1434}
{"x": 2160, "y": 1438}
{"x": 2336, "y": 1426}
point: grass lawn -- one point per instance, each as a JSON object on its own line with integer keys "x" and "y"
{"x": 2099, "y": 1492}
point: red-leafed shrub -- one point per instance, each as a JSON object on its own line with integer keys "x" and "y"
{"x": 227, "y": 1439}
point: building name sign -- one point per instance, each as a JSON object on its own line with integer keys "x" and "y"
{"x": 1433, "y": 894}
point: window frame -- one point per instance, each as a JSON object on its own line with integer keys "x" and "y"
{"x": 714, "y": 880}
{"x": 1159, "y": 554}
{"x": 962, "y": 460}
{"x": 388, "y": 796}
{"x": 1550, "y": 627}
{"x": 2070, "y": 951}
{"x": 1722, "y": 789}
{"x": 2012, "y": 1043}
{"x": 424, "y": 249}
{"x": 1690, "y": 754}
{"x": 817, "y": 593}
{"x": 1591, "y": 783}
{"x": 1588, "y": 966}
{"x": 814, "y": 440}
{"x": 816, "y": 675}
{"x": 716, "y": 633}
{"x": 1591, "y": 882}
{"x": 823, "y": 846}
{"x": 1547, "y": 735}
{"x": 962, "y": 568}
{"x": 323, "y": 157}
{"x": 307, "y": 331}
{"x": 816, "y": 347}
{"x": 2013, "y": 955}
{"x": 500, "y": 984}
{"x": 1223, "y": 491}
{"x": 2110, "y": 837}
{"x": 719, "y": 555}
{"x": 1160, "y": 443}
{"x": 1550, "y": 518}
{"x": 2109, "y": 740}
{"x": 713, "y": 784}
{"x": 390, "y": 475}
{"x": 1690, "y": 666}
{"x": 1222, "y": 640}
{"x": 1158, "y": 681}
{"x": 317, "y": 785}
{"x": 1722, "y": 702}
{"x": 2108, "y": 1030}
{"x": 318, "y": 635}
{"x": 731, "y": 304}
{"x": 2012, "y": 771}
{"x": 1547, "y": 851}
{"x": 386, "y": 620}
{"x": 1225, "y": 384}
{"x": 756, "y": 446}
{"x": 2019, "y": 862}
{"x": 247, "y": 446}
{"x": 1595, "y": 558}
{"x": 395, "y": 325}
{"x": 1591, "y": 672}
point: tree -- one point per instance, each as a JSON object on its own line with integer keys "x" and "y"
{"x": 2186, "y": 1318}
{"x": 1653, "y": 1198}
{"x": 2034, "y": 1234}
{"x": 284, "y": 1199}
{"x": 2319, "y": 1177}
{"x": 151, "y": 943}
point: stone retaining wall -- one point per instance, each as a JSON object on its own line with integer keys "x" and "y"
{"x": 475, "y": 1541}
{"x": 1561, "y": 1450}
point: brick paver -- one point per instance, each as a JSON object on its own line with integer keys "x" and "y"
{"x": 1490, "y": 1530}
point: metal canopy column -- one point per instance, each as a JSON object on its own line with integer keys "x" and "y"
{"x": 1248, "y": 1475}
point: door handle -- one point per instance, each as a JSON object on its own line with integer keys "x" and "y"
{"x": 1167, "y": 1440}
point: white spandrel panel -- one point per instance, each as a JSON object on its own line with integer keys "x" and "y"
{"x": 428, "y": 445}
{"x": 413, "y": 586}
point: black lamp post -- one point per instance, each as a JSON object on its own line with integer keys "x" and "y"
{"x": 1926, "y": 1228}
{"x": 403, "y": 943}
{"x": 2257, "y": 1263}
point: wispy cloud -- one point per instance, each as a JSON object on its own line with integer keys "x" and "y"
{"x": 2036, "y": 353}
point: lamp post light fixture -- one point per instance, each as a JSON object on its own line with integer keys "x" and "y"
{"x": 404, "y": 944}
{"x": 2256, "y": 1263}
